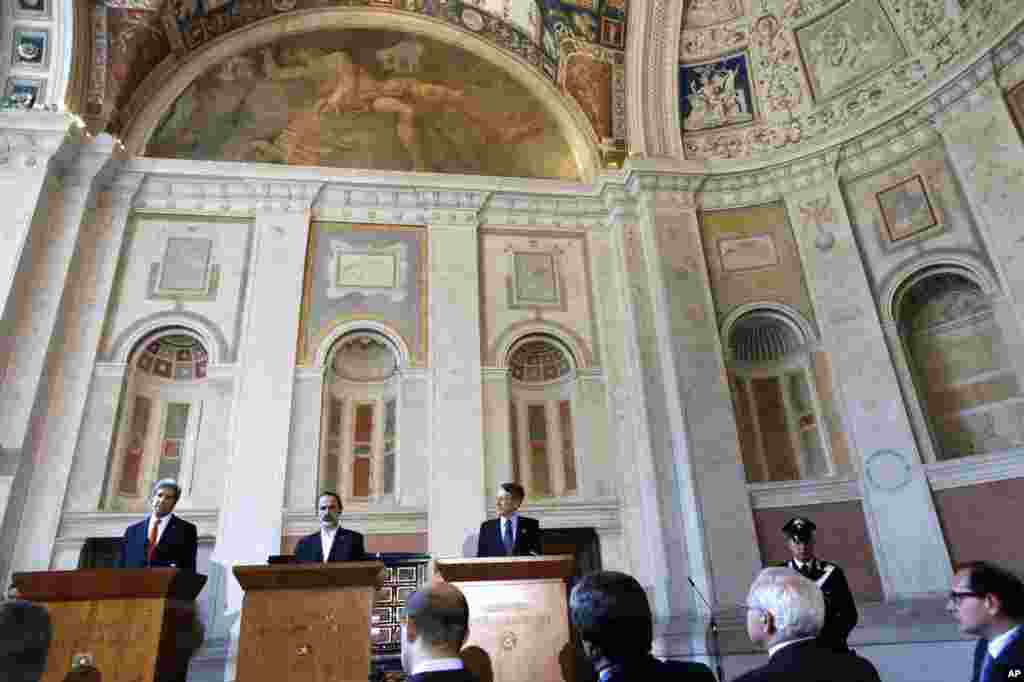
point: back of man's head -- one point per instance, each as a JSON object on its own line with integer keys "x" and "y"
{"x": 989, "y": 579}
{"x": 796, "y": 604}
{"x": 610, "y": 611}
{"x": 438, "y": 614}
{"x": 24, "y": 640}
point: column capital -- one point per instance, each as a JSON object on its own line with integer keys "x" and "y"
{"x": 283, "y": 196}
{"x": 30, "y": 139}
{"x": 454, "y": 220}
{"x": 120, "y": 190}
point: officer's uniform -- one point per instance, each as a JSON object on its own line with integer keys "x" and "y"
{"x": 840, "y": 609}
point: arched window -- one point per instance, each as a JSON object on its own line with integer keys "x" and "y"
{"x": 784, "y": 427}
{"x": 159, "y": 417}
{"x": 359, "y": 433}
{"x": 963, "y": 373}
{"x": 543, "y": 383}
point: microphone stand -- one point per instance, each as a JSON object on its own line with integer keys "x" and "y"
{"x": 713, "y": 625}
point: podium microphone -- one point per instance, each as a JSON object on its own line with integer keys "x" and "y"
{"x": 713, "y": 624}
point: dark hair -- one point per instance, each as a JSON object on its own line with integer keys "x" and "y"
{"x": 514, "y": 489}
{"x": 330, "y": 493}
{"x": 987, "y": 578}
{"x": 441, "y": 615}
{"x": 610, "y": 610}
{"x": 25, "y": 634}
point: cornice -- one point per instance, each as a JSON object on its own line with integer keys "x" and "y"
{"x": 79, "y": 526}
{"x": 30, "y": 139}
{"x": 798, "y": 493}
{"x": 975, "y": 470}
{"x": 601, "y": 514}
{"x": 543, "y": 211}
{"x": 389, "y": 521}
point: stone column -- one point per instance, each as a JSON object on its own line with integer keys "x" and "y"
{"x": 31, "y": 140}
{"x": 413, "y": 465}
{"x": 497, "y": 429}
{"x": 986, "y": 152}
{"x": 251, "y": 517}
{"x": 40, "y": 485}
{"x": 908, "y": 542}
{"x": 456, "y": 485}
{"x": 40, "y": 284}
{"x": 704, "y": 443}
{"x": 591, "y": 436}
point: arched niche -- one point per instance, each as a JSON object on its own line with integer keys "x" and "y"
{"x": 234, "y": 55}
{"x": 782, "y": 396}
{"x": 162, "y": 402}
{"x": 359, "y": 435}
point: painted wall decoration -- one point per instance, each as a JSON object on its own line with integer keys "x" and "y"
{"x": 24, "y": 93}
{"x": 700, "y": 13}
{"x": 536, "y": 279}
{"x": 31, "y": 47}
{"x": 905, "y": 208}
{"x": 739, "y": 247}
{"x": 33, "y": 9}
{"x": 365, "y": 272}
{"x": 716, "y": 93}
{"x": 1016, "y": 99}
{"x": 779, "y": 78}
{"x": 336, "y": 99}
{"x": 847, "y": 45}
{"x": 587, "y": 74}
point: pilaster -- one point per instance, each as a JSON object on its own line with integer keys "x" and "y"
{"x": 498, "y": 432}
{"x": 456, "y": 484}
{"x": 40, "y": 485}
{"x": 907, "y": 539}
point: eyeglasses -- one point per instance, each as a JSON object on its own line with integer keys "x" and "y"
{"x": 957, "y": 597}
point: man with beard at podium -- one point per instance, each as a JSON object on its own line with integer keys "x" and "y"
{"x": 434, "y": 629}
{"x": 510, "y": 534}
{"x": 613, "y": 620}
{"x": 331, "y": 542}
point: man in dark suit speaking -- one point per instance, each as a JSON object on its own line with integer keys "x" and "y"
{"x": 331, "y": 541}
{"x": 435, "y": 627}
{"x": 988, "y": 602}
{"x": 510, "y": 534}
{"x": 786, "y": 613}
{"x": 162, "y": 539}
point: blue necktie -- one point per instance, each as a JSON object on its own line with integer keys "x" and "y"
{"x": 986, "y": 667}
{"x": 506, "y": 536}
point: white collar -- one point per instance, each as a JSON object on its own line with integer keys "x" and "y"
{"x": 161, "y": 522}
{"x": 997, "y": 644}
{"x": 513, "y": 519}
{"x": 774, "y": 648}
{"x": 434, "y": 665}
{"x": 325, "y": 530}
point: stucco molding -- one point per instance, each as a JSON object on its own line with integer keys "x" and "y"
{"x": 79, "y": 526}
{"x": 778, "y": 494}
{"x": 975, "y": 469}
{"x": 601, "y": 514}
{"x": 962, "y": 263}
{"x": 372, "y": 522}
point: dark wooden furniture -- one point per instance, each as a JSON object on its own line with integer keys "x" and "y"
{"x": 307, "y": 622}
{"x": 518, "y": 616}
{"x": 134, "y": 625}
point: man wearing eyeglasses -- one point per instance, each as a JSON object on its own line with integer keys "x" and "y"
{"x": 988, "y": 601}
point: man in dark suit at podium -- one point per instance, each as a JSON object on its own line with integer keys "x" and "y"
{"x": 435, "y": 628}
{"x": 162, "y": 539}
{"x": 510, "y": 534}
{"x": 331, "y": 541}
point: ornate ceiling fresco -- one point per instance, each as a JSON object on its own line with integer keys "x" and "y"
{"x": 760, "y": 76}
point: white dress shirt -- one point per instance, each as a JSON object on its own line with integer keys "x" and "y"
{"x": 514, "y": 520}
{"x": 997, "y": 644}
{"x": 437, "y": 665}
{"x": 161, "y": 526}
{"x": 782, "y": 645}
{"x": 327, "y": 536}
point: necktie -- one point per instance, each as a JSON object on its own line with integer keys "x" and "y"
{"x": 506, "y": 536}
{"x": 152, "y": 540}
{"x": 986, "y": 667}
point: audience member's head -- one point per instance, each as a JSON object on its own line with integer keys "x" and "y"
{"x": 986, "y": 600}
{"x": 612, "y": 618}
{"x": 24, "y": 640}
{"x": 783, "y": 606}
{"x": 436, "y": 624}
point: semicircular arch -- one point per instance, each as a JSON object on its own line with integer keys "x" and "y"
{"x": 169, "y": 80}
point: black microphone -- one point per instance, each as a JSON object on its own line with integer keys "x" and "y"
{"x": 713, "y": 624}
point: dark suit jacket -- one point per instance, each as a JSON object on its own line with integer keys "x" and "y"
{"x": 176, "y": 547}
{"x": 840, "y": 609}
{"x": 813, "y": 661}
{"x": 527, "y": 538}
{"x": 1010, "y": 658}
{"x": 444, "y": 676}
{"x": 650, "y": 669}
{"x": 348, "y": 546}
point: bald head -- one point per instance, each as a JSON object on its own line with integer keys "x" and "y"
{"x": 25, "y": 634}
{"x": 440, "y": 614}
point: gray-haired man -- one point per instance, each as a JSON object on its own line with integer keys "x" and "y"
{"x": 161, "y": 539}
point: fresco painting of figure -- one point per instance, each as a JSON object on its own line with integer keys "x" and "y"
{"x": 342, "y": 99}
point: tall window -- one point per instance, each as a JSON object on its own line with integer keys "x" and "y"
{"x": 359, "y": 441}
{"x": 963, "y": 372}
{"x": 159, "y": 418}
{"x": 541, "y": 419}
{"x": 783, "y": 425}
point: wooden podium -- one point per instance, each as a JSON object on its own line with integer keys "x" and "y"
{"x": 306, "y": 622}
{"x": 518, "y": 616}
{"x": 131, "y": 625}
